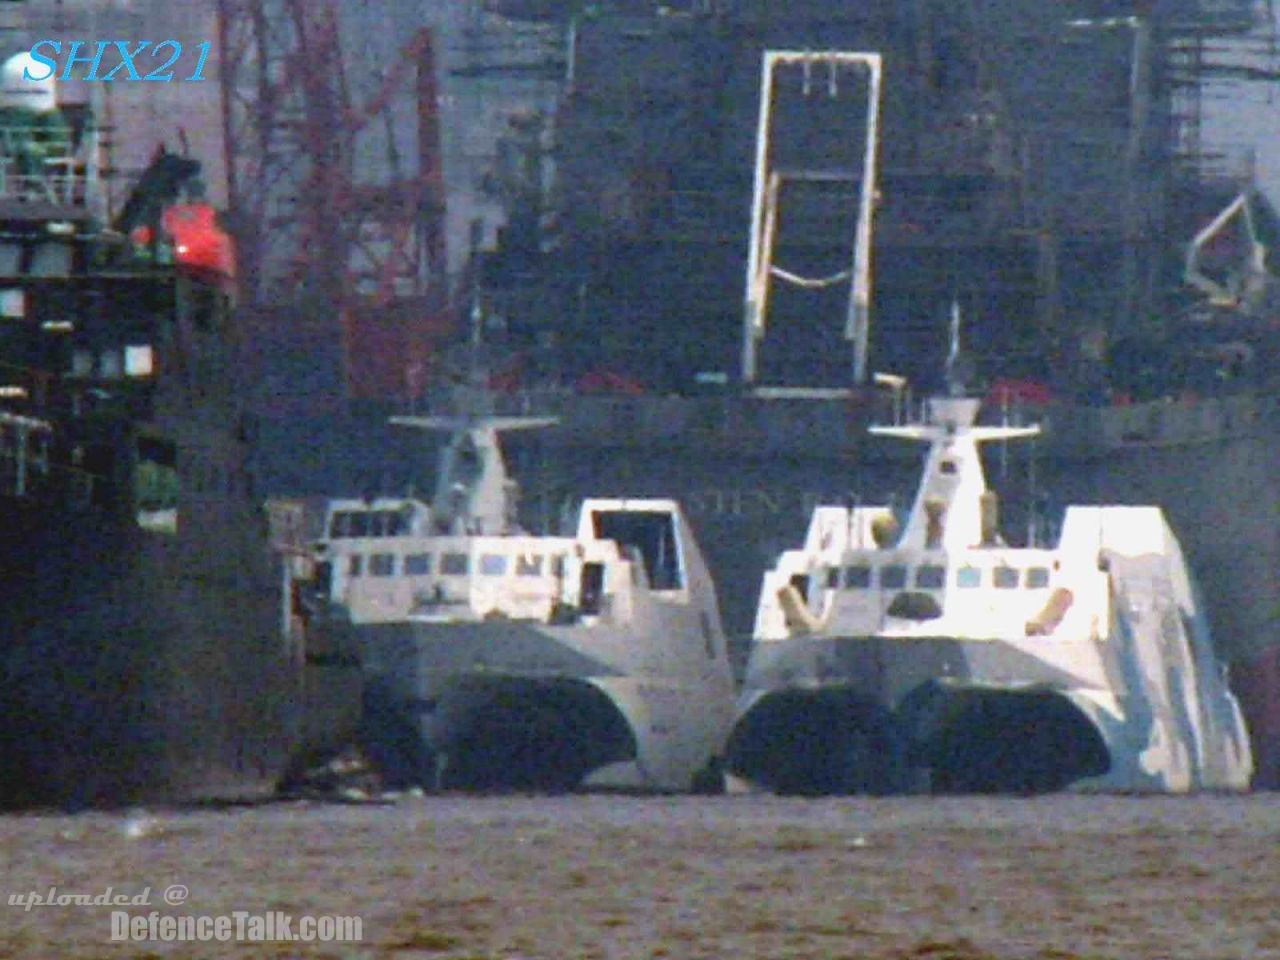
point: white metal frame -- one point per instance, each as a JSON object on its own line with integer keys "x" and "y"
{"x": 760, "y": 267}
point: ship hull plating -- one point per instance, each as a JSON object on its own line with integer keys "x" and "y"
{"x": 759, "y": 468}
{"x": 503, "y": 706}
{"x": 935, "y": 647}
{"x": 125, "y": 681}
{"x": 878, "y": 715}
{"x": 1139, "y": 703}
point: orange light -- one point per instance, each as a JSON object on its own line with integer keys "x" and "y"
{"x": 198, "y": 240}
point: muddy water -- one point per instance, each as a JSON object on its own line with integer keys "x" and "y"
{"x": 746, "y": 878}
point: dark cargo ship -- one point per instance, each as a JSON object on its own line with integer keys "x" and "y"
{"x": 140, "y": 656}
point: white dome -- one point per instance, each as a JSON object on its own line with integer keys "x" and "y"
{"x": 39, "y": 96}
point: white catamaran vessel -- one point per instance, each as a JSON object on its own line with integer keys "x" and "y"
{"x": 937, "y": 657}
{"x": 497, "y": 659}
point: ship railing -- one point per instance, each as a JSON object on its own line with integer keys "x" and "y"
{"x": 40, "y": 164}
{"x": 24, "y": 452}
{"x": 64, "y": 186}
{"x": 27, "y": 469}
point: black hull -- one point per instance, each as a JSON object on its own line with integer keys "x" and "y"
{"x": 124, "y": 681}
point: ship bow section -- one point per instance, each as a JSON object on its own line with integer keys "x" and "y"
{"x": 815, "y": 740}
{"x": 497, "y": 706}
{"x": 880, "y": 715}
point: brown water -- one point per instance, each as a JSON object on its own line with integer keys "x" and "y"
{"x": 734, "y": 877}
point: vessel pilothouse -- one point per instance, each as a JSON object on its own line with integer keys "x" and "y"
{"x": 495, "y": 658}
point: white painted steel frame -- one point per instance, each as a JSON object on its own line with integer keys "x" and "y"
{"x": 764, "y": 211}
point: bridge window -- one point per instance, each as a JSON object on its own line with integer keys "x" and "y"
{"x": 969, "y": 577}
{"x": 382, "y": 565}
{"x": 1037, "y": 578}
{"x": 1006, "y": 578}
{"x": 358, "y": 524}
{"x": 591, "y": 594}
{"x": 454, "y": 565}
{"x": 416, "y": 564}
{"x": 493, "y": 564}
{"x": 653, "y": 532}
{"x": 931, "y": 577}
{"x": 893, "y": 577}
{"x": 857, "y": 576}
{"x": 340, "y": 525}
{"x": 355, "y": 565}
{"x": 529, "y": 565}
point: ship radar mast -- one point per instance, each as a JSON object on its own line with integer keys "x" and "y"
{"x": 474, "y": 494}
{"x": 948, "y": 512}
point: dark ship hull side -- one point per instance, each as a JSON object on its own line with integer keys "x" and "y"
{"x": 125, "y": 680}
{"x": 141, "y": 656}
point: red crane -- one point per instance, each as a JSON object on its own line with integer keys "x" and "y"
{"x": 339, "y": 230}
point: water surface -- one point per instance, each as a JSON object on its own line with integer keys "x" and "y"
{"x": 746, "y": 878}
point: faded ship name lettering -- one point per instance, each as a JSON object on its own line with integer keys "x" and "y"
{"x": 754, "y": 502}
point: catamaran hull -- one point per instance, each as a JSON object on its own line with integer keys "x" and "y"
{"x": 507, "y": 705}
{"x": 895, "y": 715}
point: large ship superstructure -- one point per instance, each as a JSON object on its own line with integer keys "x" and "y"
{"x": 936, "y": 656}
{"x": 494, "y": 658}
{"x": 130, "y": 516}
{"x": 1047, "y": 162}
{"x": 939, "y": 655}
{"x": 1054, "y": 168}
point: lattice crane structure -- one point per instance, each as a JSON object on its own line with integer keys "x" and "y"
{"x": 335, "y": 189}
